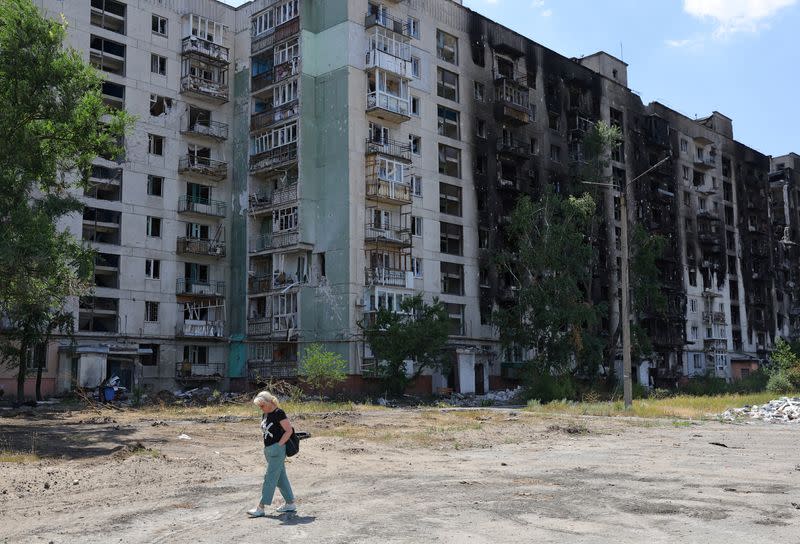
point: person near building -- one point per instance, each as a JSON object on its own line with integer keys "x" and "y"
{"x": 276, "y": 429}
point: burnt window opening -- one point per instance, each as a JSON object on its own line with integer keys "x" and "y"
{"x": 159, "y": 105}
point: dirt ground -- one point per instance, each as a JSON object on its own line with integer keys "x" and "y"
{"x": 402, "y": 475}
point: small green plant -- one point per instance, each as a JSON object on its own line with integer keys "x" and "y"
{"x": 215, "y": 395}
{"x": 779, "y": 383}
{"x": 322, "y": 369}
{"x": 487, "y": 402}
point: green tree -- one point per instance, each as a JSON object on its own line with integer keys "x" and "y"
{"x": 550, "y": 262}
{"x": 53, "y": 123}
{"x": 321, "y": 368}
{"x": 418, "y": 332}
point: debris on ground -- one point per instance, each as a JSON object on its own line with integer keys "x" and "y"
{"x": 184, "y": 436}
{"x": 492, "y": 398}
{"x": 782, "y": 410}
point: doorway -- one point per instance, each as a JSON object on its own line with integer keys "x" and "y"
{"x": 479, "y": 389}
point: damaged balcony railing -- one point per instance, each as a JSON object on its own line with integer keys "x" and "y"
{"x": 391, "y": 148}
{"x": 273, "y": 158}
{"x": 273, "y": 197}
{"x": 271, "y": 282}
{"x": 274, "y": 115}
{"x": 281, "y": 33}
{"x": 211, "y": 50}
{"x": 199, "y": 205}
{"x": 212, "y": 129}
{"x": 191, "y": 286}
{"x": 203, "y": 166}
{"x": 259, "y": 326}
{"x": 275, "y": 75}
{"x": 391, "y": 277}
{"x": 200, "y": 246}
{"x": 202, "y": 328}
{"x": 387, "y": 233}
{"x": 264, "y": 370}
{"x": 191, "y": 371}
{"x": 382, "y": 18}
{"x": 204, "y": 88}
{"x": 274, "y": 240}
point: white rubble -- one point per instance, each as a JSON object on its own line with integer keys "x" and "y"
{"x": 782, "y": 410}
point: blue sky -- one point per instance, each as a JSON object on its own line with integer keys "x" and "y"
{"x": 739, "y": 57}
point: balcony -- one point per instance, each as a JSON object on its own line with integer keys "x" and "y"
{"x": 275, "y": 240}
{"x": 187, "y": 371}
{"x": 511, "y": 101}
{"x": 715, "y": 344}
{"x": 269, "y": 198}
{"x": 272, "y": 116}
{"x": 195, "y": 287}
{"x": 200, "y": 246}
{"x": 201, "y": 206}
{"x": 389, "y": 107}
{"x": 207, "y": 89}
{"x": 384, "y": 20}
{"x": 259, "y": 326}
{"x": 714, "y": 317}
{"x": 706, "y": 162}
{"x": 205, "y": 50}
{"x": 390, "y": 54}
{"x": 264, "y": 370}
{"x": 208, "y": 129}
{"x": 273, "y": 158}
{"x": 277, "y": 281}
{"x": 280, "y": 72}
{"x": 389, "y": 277}
{"x": 199, "y": 328}
{"x": 203, "y": 166}
{"x": 278, "y": 35}
{"x": 514, "y": 148}
{"x": 390, "y": 192}
{"x": 387, "y": 235}
{"x": 390, "y": 148}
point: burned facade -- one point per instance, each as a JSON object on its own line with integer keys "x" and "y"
{"x": 299, "y": 164}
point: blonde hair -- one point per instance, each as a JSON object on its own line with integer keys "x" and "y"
{"x": 264, "y": 397}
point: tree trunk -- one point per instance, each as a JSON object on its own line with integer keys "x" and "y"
{"x": 23, "y": 352}
{"x": 39, "y": 368}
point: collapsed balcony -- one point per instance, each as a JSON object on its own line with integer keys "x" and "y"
{"x": 197, "y": 287}
{"x": 203, "y": 166}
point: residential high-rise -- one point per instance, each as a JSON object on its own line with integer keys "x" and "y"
{"x": 297, "y": 165}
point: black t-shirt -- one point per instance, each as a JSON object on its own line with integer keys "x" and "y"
{"x": 271, "y": 426}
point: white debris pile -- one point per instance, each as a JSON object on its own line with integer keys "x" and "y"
{"x": 492, "y": 398}
{"x": 782, "y": 410}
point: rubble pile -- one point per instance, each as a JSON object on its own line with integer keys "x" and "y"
{"x": 492, "y": 398}
{"x": 782, "y": 410}
{"x": 199, "y": 396}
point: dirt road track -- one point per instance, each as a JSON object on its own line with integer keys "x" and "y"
{"x": 478, "y": 478}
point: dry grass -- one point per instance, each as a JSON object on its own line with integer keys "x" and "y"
{"x": 247, "y": 409}
{"x": 680, "y": 407}
{"x": 14, "y": 457}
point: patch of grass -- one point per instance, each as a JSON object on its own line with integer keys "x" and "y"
{"x": 246, "y": 409}
{"x": 679, "y": 407}
{"x": 14, "y": 457}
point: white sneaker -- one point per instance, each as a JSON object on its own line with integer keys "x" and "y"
{"x": 288, "y": 507}
{"x": 256, "y": 512}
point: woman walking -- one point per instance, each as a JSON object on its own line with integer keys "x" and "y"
{"x": 276, "y": 429}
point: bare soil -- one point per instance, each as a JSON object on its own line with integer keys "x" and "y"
{"x": 402, "y": 475}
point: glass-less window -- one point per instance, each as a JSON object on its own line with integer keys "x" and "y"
{"x": 449, "y": 160}
{"x": 449, "y": 124}
{"x": 390, "y": 170}
{"x": 284, "y": 219}
{"x": 276, "y": 137}
{"x": 446, "y": 47}
{"x": 447, "y": 84}
{"x": 275, "y": 16}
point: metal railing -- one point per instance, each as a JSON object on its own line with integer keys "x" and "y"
{"x": 205, "y": 206}
{"x": 264, "y": 370}
{"x": 273, "y": 197}
{"x": 200, "y": 246}
{"x": 393, "y": 277}
{"x": 384, "y": 233}
{"x": 202, "y": 329}
{"x": 386, "y": 21}
{"x": 259, "y": 326}
{"x": 212, "y": 129}
{"x": 273, "y": 158}
{"x": 204, "y": 87}
{"x": 187, "y": 371}
{"x": 392, "y": 148}
{"x": 275, "y": 75}
{"x": 389, "y": 190}
{"x": 273, "y": 240}
{"x": 214, "y": 51}
{"x": 279, "y": 34}
{"x": 203, "y": 166}
{"x": 274, "y": 115}
{"x": 191, "y": 286}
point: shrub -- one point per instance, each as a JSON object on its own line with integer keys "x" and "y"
{"x": 793, "y": 375}
{"x": 321, "y": 368}
{"x": 779, "y": 383}
{"x": 546, "y": 388}
{"x": 756, "y": 382}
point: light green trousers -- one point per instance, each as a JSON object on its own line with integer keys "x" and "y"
{"x": 276, "y": 475}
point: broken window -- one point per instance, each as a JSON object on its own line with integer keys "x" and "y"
{"x": 154, "y": 226}
{"x": 155, "y": 144}
{"x": 451, "y": 238}
{"x": 158, "y": 64}
{"x": 450, "y": 199}
{"x": 455, "y": 312}
{"x": 452, "y": 277}
{"x": 505, "y": 67}
{"x": 150, "y": 312}
{"x": 416, "y": 144}
{"x": 149, "y": 359}
{"x": 152, "y": 269}
{"x": 107, "y": 55}
{"x": 449, "y": 161}
{"x": 416, "y": 226}
{"x": 446, "y": 47}
{"x": 447, "y": 84}
{"x": 554, "y": 121}
{"x": 555, "y": 153}
{"x": 159, "y": 105}
{"x": 449, "y": 123}
{"x": 155, "y": 185}
{"x": 479, "y": 91}
{"x": 108, "y": 14}
{"x": 480, "y": 128}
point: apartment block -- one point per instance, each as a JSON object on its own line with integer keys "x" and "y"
{"x": 297, "y": 165}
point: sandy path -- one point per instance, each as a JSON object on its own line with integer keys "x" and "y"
{"x": 495, "y": 479}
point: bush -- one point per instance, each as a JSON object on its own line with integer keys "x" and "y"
{"x": 547, "y": 388}
{"x": 779, "y": 383}
{"x": 756, "y": 382}
{"x": 705, "y": 385}
{"x": 793, "y": 375}
{"x": 322, "y": 369}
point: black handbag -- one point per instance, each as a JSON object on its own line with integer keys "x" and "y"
{"x": 292, "y": 445}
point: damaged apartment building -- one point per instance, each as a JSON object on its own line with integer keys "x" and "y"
{"x": 297, "y": 165}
